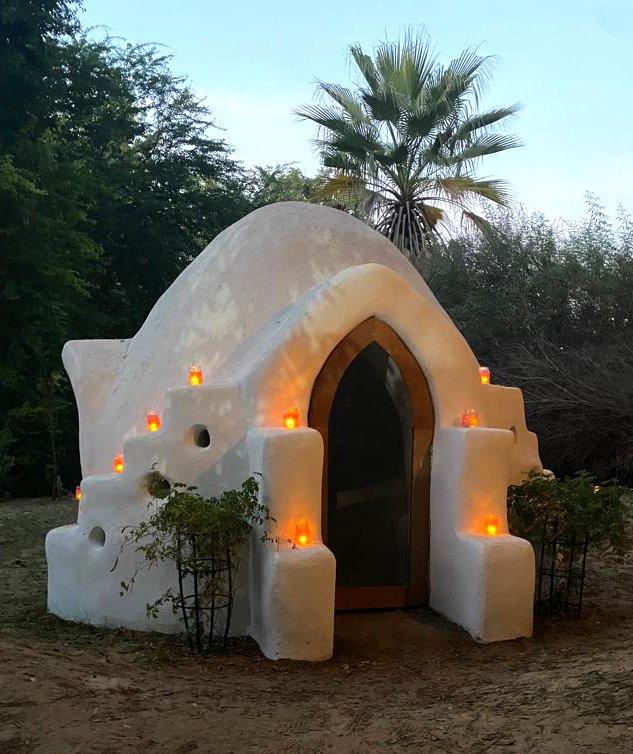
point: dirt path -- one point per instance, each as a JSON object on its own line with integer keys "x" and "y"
{"x": 399, "y": 682}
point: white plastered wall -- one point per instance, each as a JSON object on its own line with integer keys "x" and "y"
{"x": 260, "y": 310}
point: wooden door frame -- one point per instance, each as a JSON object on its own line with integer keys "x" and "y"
{"x": 374, "y": 330}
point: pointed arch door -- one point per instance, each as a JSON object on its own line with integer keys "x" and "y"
{"x": 372, "y": 405}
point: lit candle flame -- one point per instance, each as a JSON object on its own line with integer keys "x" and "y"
{"x": 291, "y": 418}
{"x": 153, "y": 421}
{"x": 470, "y": 418}
{"x": 195, "y": 375}
{"x": 492, "y": 526}
{"x": 302, "y": 532}
{"x": 117, "y": 464}
{"x": 484, "y": 375}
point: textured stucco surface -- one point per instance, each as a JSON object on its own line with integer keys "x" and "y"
{"x": 260, "y": 310}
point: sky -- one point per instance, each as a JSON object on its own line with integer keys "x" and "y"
{"x": 568, "y": 62}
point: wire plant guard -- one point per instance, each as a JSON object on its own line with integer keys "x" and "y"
{"x": 562, "y": 561}
{"x": 206, "y": 610}
{"x": 203, "y": 538}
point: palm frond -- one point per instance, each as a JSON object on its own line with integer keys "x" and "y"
{"x": 496, "y": 191}
{"x": 366, "y": 66}
{"x": 344, "y": 97}
{"x": 432, "y": 215}
{"x": 477, "y": 220}
{"x": 481, "y": 121}
{"x": 333, "y": 158}
{"x": 329, "y": 118}
{"x": 416, "y": 68}
{"x": 427, "y": 116}
{"x": 394, "y": 156}
{"x": 337, "y": 187}
{"x": 475, "y": 69}
{"x": 384, "y": 107}
{"x": 349, "y": 192}
{"x": 355, "y": 143}
{"x": 484, "y": 145}
{"x": 441, "y": 101}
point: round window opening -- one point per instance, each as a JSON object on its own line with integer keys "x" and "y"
{"x": 200, "y": 436}
{"x": 97, "y": 537}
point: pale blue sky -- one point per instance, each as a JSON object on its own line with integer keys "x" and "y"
{"x": 569, "y": 62}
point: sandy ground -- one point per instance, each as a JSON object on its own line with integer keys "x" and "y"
{"x": 399, "y": 681}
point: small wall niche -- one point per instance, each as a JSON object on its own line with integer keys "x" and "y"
{"x": 199, "y": 436}
{"x": 155, "y": 484}
{"x": 97, "y": 537}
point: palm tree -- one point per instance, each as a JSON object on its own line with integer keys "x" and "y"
{"x": 401, "y": 150}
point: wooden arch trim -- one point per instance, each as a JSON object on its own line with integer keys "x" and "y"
{"x": 374, "y": 330}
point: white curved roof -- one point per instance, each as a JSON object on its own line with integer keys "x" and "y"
{"x": 245, "y": 277}
{"x": 256, "y": 268}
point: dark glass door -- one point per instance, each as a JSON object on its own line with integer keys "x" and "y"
{"x": 372, "y": 405}
{"x": 369, "y": 476}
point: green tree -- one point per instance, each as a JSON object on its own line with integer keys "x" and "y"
{"x": 110, "y": 183}
{"x": 28, "y": 31}
{"x": 402, "y": 148}
{"x": 281, "y": 183}
{"x": 46, "y": 250}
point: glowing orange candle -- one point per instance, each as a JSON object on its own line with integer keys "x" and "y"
{"x": 484, "y": 375}
{"x": 195, "y": 375}
{"x": 470, "y": 418}
{"x": 117, "y": 464}
{"x": 77, "y": 493}
{"x": 492, "y": 526}
{"x": 302, "y": 532}
{"x": 291, "y": 418}
{"x": 153, "y": 421}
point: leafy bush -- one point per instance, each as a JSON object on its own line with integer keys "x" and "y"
{"x": 203, "y": 537}
{"x": 578, "y": 505}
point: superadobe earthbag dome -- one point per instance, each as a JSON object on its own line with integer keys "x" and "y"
{"x": 302, "y": 306}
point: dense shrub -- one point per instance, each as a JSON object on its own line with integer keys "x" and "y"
{"x": 577, "y": 507}
{"x": 550, "y": 310}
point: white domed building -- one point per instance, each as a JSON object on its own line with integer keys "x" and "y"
{"x": 400, "y": 504}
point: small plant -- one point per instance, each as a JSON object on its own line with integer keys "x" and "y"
{"x": 561, "y": 518}
{"x": 203, "y": 537}
{"x": 580, "y": 506}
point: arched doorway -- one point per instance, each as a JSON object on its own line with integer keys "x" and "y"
{"x": 372, "y": 405}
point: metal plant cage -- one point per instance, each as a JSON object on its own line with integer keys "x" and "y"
{"x": 206, "y": 611}
{"x": 562, "y": 561}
